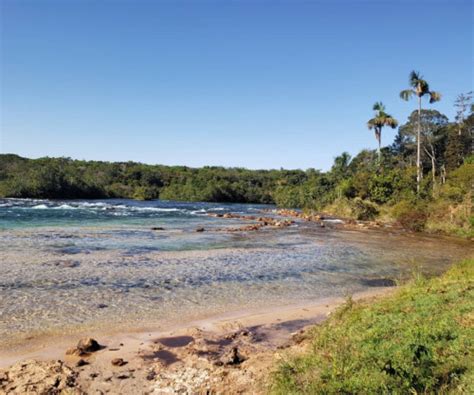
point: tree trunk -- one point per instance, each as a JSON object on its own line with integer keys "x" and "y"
{"x": 433, "y": 172}
{"x": 443, "y": 174}
{"x": 418, "y": 148}
{"x": 379, "y": 139}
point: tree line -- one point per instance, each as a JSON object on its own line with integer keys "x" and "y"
{"x": 430, "y": 161}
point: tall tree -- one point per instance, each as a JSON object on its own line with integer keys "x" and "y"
{"x": 419, "y": 88}
{"x": 380, "y": 120}
{"x": 434, "y": 131}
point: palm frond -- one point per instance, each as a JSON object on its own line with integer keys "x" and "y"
{"x": 378, "y": 106}
{"x": 434, "y": 96}
{"x": 407, "y": 94}
{"x": 390, "y": 121}
{"x": 371, "y": 124}
{"x": 415, "y": 77}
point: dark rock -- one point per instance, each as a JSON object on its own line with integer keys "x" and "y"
{"x": 81, "y": 362}
{"x": 102, "y": 306}
{"x": 200, "y": 230}
{"x": 157, "y": 228}
{"x": 151, "y": 375}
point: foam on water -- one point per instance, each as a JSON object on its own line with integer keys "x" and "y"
{"x": 15, "y": 213}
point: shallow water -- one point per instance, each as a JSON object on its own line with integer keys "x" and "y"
{"x": 97, "y": 264}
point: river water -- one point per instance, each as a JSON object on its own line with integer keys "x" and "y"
{"x": 75, "y": 265}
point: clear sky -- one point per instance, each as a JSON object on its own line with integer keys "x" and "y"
{"x": 259, "y": 84}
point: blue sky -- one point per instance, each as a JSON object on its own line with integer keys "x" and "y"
{"x": 258, "y": 84}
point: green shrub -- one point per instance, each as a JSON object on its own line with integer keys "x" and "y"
{"x": 410, "y": 215}
{"x": 363, "y": 209}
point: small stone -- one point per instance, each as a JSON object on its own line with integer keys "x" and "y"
{"x": 84, "y": 346}
{"x": 157, "y": 228}
{"x": 89, "y": 344}
{"x": 151, "y": 375}
{"x": 118, "y": 362}
{"x": 102, "y": 306}
{"x": 200, "y": 230}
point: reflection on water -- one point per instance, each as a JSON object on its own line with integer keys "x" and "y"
{"x": 123, "y": 274}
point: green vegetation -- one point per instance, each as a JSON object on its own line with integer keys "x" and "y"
{"x": 423, "y": 180}
{"x": 420, "y": 340}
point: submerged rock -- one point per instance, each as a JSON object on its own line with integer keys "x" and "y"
{"x": 67, "y": 263}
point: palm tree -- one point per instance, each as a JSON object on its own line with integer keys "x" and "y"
{"x": 420, "y": 88}
{"x": 380, "y": 120}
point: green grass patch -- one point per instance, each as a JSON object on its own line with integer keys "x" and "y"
{"x": 419, "y": 340}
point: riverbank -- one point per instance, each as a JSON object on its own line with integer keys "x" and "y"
{"x": 231, "y": 352}
{"x": 419, "y": 340}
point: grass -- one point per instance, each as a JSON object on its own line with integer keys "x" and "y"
{"x": 420, "y": 340}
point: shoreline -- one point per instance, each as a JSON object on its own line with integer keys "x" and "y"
{"x": 51, "y": 345}
{"x": 258, "y": 334}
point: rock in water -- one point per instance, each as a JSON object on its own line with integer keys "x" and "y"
{"x": 35, "y": 377}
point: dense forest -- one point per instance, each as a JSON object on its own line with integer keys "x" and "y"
{"x": 428, "y": 170}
